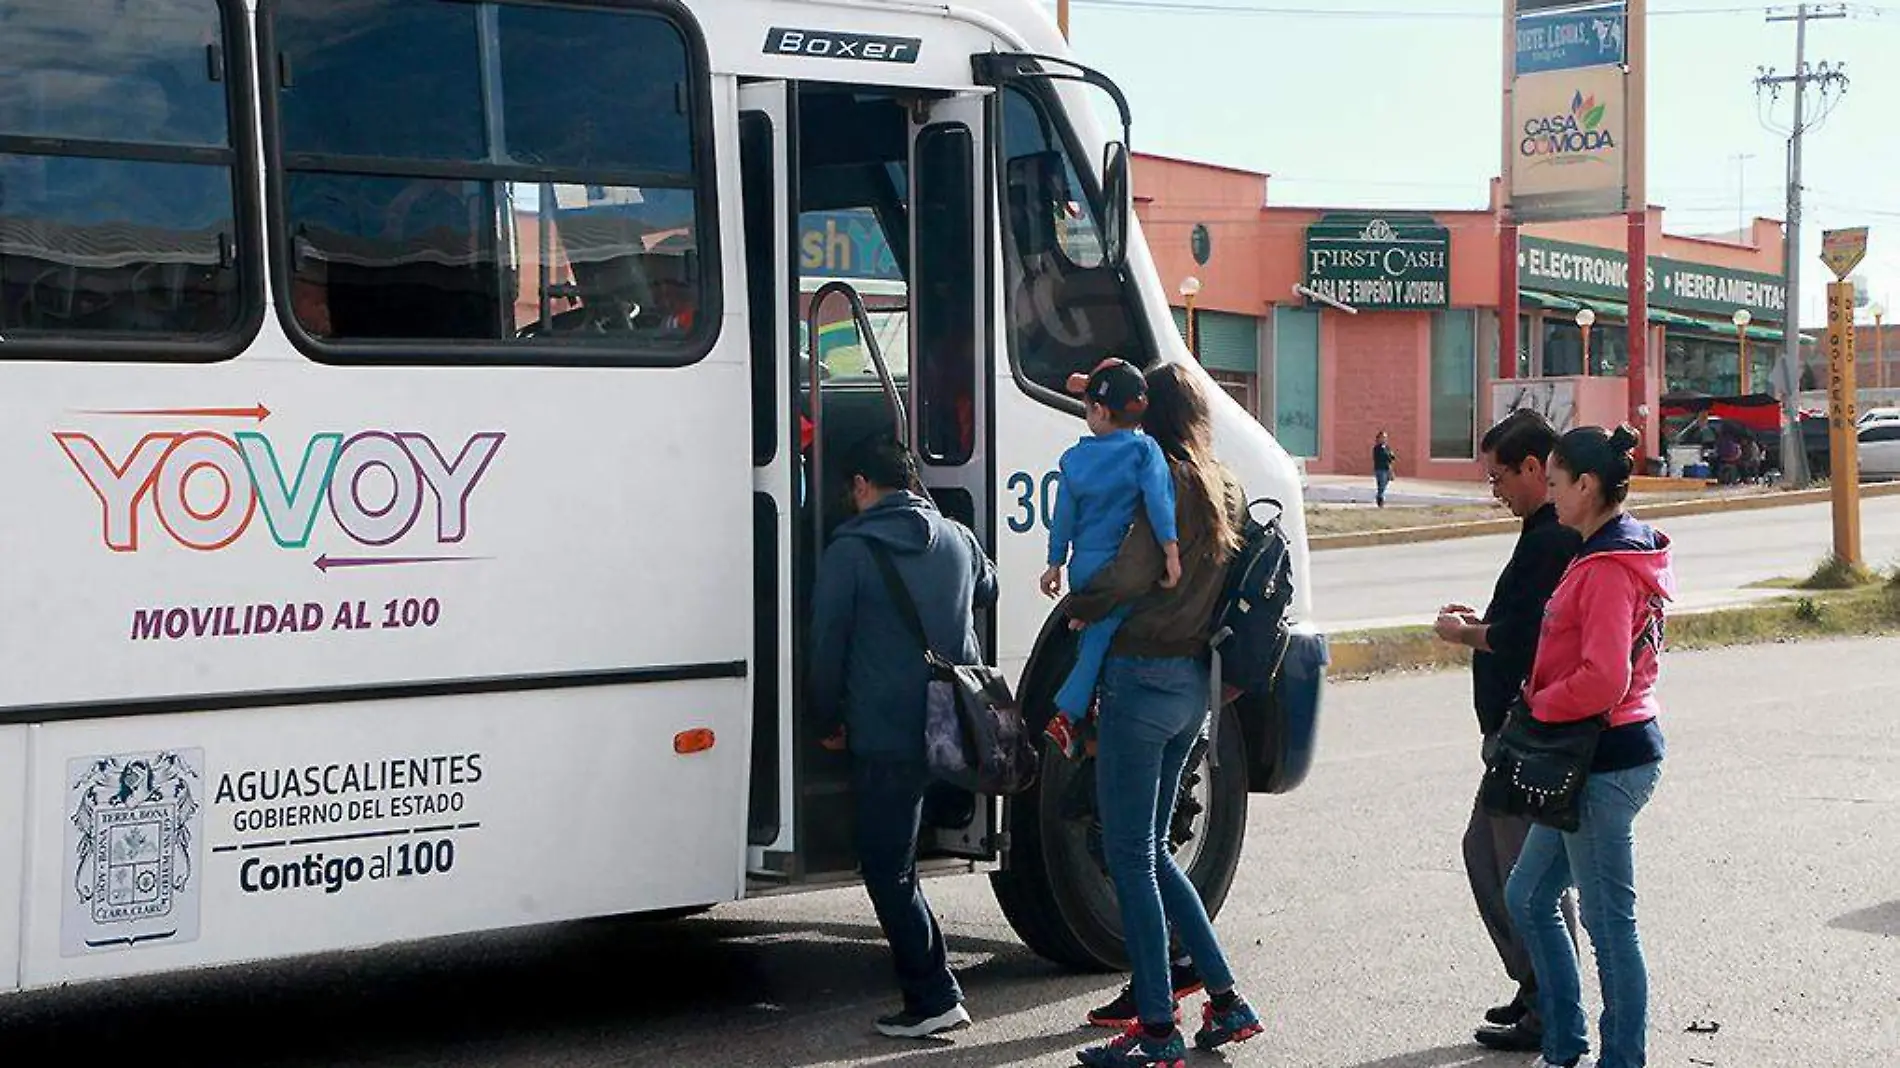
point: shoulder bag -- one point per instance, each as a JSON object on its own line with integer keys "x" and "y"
{"x": 974, "y": 736}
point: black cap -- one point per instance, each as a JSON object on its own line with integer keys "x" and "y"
{"x": 1115, "y": 384}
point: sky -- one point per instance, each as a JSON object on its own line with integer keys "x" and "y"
{"x": 1395, "y": 104}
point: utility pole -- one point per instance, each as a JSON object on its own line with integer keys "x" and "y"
{"x": 1794, "y": 456}
{"x": 1062, "y": 17}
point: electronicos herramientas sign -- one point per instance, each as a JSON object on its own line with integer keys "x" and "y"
{"x": 1380, "y": 262}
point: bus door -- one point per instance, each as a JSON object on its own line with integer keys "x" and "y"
{"x": 822, "y": 189}
{"x": 768, "y": 187}
{"x": 951, "y": 362}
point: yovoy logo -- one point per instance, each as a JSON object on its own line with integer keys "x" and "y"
{"x": 135, "y": 841}
{"x": 1570, "y": 137}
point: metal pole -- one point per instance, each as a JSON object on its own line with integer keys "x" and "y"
{"x": 1794, "y": 453}
{"x": 1880, "y": 353}
{"x": 1508, "y": 295}
{"x": 1743, "y": 231}
{"x": 1636, "y": 159}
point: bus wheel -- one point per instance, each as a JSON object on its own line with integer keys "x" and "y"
{"x": 1054, "y": 886}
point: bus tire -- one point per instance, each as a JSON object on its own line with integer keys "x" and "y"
{"x": 1052, "y": 889}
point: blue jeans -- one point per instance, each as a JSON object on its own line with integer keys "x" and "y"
{"x": 890, "y": 808}
{"x": 1152, "y": 712}
{"x": 1072, "y": 700}
{"x": 1384, "y": 479}
{"x": 1599, "y": 859}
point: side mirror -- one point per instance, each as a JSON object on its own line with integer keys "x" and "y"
{"x": 1118, "y": 204}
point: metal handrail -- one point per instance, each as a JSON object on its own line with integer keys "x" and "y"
{"x": 898, "y": 415}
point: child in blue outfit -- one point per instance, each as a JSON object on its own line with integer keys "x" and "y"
{"x": 1103, "y": 478}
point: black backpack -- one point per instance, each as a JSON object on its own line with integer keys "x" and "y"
{"x": 1251, "y": 630}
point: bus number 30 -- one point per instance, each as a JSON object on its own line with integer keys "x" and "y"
{"x": 1036, "y": 501}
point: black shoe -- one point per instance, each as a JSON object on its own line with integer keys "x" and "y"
{"x": 913, "y": 1024}
{"x": 1506, "y": 1015}
{"x": 1120, "y": 1013}
{"x": 1520, "y": 1037}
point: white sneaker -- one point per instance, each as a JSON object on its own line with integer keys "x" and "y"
{"x": 916, "y": 1025}
{"x": 1582, "y": 1062}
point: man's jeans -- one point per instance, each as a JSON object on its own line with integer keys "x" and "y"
{"x": 1599, "y": 858}
{"x": 890, "y": 805}
{"x": 1491, "y": 848}
{"x": 1152, "y": 712}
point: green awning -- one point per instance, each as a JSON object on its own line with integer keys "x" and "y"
{"x": 1669, "y": 318}
{"x": 1762, "y": 333}
{"x": 1607, "y": 308}
{"x": 1546, "y": 301}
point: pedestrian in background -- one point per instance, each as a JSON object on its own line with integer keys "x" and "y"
{"x": 1599, "y": 655}
{"x": 1503, "y": 641}
{"x": 1383, "y": 459}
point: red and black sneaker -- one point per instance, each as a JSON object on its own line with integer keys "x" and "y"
{"x": 1066, "y": 735}
{"x": 1219, "y": 1027}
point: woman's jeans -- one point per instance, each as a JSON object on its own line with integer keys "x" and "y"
{"x": 1152, "y": 714}
{"x": 1599, "y": 859}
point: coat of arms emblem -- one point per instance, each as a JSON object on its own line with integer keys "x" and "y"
{"x": 134, "y": 841}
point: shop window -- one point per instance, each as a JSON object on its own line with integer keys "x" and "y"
{"x": 1699, "y": 364}
{"x": 1525, "y": 325}
{"x": 1454, "y": 385}
{"x": 1296, "y": 392}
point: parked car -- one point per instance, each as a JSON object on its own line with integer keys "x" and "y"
{"x": 1878, "y": 415}
{"x": 1880, "y": 449}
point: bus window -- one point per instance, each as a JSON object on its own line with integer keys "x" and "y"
{"x": 118, "y": 202}
{"x": 947, "y": 330}
{"x": 513, "y": 176}
{"x": 1067, "y": 307}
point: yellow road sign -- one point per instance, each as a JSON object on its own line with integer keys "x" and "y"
{"x": 1842, "y": 250}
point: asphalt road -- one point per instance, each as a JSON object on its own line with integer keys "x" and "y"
{"x": 1717, "y": 558}
{"x": 1771, "y": 909}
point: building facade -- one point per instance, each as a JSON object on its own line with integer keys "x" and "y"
{"x": 1332, "y": 325}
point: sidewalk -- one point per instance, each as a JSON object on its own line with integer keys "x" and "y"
{"x": 1405, "y": 492}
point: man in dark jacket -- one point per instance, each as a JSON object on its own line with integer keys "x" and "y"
{"x": 867, "y": 671}
{"x": 1504, "y": 644}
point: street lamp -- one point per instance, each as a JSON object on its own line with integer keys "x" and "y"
{"x": 1586, "y": 318}
{"x": 1880, "y": 345}
{"x": 1191, "y": 288}
{"x": 1741, "y": 320}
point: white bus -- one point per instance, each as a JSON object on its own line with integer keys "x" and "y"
{"x": 404, "y": 532}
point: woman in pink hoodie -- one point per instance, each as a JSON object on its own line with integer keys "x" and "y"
{"x": 1597, "y": 655}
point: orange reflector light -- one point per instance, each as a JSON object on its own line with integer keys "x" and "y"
{"x": 697, "y": 740}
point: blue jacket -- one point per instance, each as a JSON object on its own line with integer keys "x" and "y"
{"x": 1104, "y": 476}
{"x": 866, "y": 668}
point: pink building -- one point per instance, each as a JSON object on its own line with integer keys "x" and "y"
{"x": 1334, "y": 324}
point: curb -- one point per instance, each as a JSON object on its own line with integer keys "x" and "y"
{"x": 1370, "y": 654}
{"x": 1450, "y": 531}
